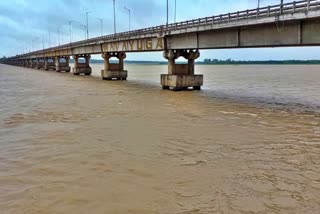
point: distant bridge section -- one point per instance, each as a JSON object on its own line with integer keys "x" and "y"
{"x": 291, "y": 24}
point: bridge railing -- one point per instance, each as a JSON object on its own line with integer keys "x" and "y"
{"x": 269, "y": 11}
{"x": 257, "y": 13}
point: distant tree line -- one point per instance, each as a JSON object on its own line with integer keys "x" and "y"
{"x": 271, "y": 62}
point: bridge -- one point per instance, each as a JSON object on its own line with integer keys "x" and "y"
{"x": 283, "y": 25}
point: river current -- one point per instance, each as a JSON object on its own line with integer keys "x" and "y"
{"x": 249, "y": 142}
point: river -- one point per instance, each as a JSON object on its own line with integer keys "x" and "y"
{"x": 249, "y": 142}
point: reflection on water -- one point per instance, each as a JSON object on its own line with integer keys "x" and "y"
{"x": 248, "y": 143}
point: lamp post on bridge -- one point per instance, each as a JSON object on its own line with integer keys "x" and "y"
{"x": 175, "y": 11}
{"x": 49, "y": 43}
{"x": 101, "y": 25}
{"x": 87, "y": 23}
{"x": 167, "y": 13}
{"x": 59, "y": 35}
{"x": 114, "y": 16}
{"x": 70, "y": 31}
{"x": 42, "y": 42}
{"x": 129, "y": 11}
{"x": 85, "y": 30}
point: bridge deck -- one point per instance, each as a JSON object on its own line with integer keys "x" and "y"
{"x": 162, "y": 37}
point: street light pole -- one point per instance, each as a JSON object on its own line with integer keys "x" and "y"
{"x": 258, "y": 3}
{"x": 281, "y": 7}
{"x": 49, "y": 39}
{"x": 175, "y": 11}
{"x": 85, "y": 29}
{"x": 167, "y": 13}
{"x": 59, "y": 35}
{"x": 37, "y": 44}
{"x": 70, "y": 33}
{"x": 129, "y": 11}
{"x": 101, "y": 24}
{"x": 87, "y": 23}
{"x": 42, "y": 42}
{"x": 114, "y": 16}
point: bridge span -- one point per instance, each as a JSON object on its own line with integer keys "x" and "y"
{"x": 287, "y": 25}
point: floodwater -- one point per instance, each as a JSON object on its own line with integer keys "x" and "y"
{"x": 248, "y": 143}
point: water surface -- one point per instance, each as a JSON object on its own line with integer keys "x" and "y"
{"x": 248, "y": 143}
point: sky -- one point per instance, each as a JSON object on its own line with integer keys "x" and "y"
{"x": 33, "y": 24}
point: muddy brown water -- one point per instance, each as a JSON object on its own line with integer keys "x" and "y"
{"x": 249, "y": 142}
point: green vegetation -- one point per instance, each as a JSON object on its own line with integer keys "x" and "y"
{"x": 267, "y": 62}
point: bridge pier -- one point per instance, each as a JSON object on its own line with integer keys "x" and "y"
{"x": 31, "y": 63}
{"x": 39, "y": 63}
{"x": 28, "y": 63}
{"x": 49, "y": 65}
{"x": 34, "y": 63}
{"x": 62, "y": 66}
{"x": 114, "y": 70}
{"x": 82, "y": 67}
{"x": 181, "y": 76}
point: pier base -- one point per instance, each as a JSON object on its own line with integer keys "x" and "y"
{"x": 81, "y": 67}
{"x": 114, "y": 70}
{"x": 34, "y": 64}
{"x": 49, "y": 64}
{"x": 40, "y": 64}
{"x": 26, "y": 63}
{"x": 181, "y": 82}
{"x": 62, "y": 64}
{"x": 30, "y": 63}
{"x": 181, "y": 76}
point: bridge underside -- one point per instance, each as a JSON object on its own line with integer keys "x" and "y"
{"x": 277, "y": 34}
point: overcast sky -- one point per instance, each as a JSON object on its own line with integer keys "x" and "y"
{"x": 24, "y": 21}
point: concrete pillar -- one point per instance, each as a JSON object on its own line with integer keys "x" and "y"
{"x": 40, "y": 63}
{"x": 34, "y": 63}
{"x": 181, "y": 76}
{"x": 82, "y": 67}
{"x": 114, "y": 70}
{"x": 30, "y": 63}
{"x": 49, "y": 63}
{"x": 62, "y": 66}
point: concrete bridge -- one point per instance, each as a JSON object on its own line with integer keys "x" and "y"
{"x": 291, "y": 24}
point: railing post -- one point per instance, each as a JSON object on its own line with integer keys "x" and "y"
{"x": 294, "y": 6}
{"x": 308, "y": 5}
{"x": 268, "y": 10}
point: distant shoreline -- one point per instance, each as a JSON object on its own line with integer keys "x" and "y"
{"x": 223, "y": 62}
